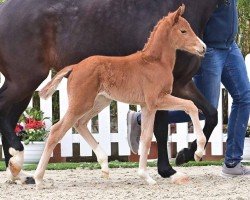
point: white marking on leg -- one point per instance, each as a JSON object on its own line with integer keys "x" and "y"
{"x": 102, "y": 159}
{"x": 142, "y": 171}
{"x": 16, "y": 162}
{"x": 22, "y": 176}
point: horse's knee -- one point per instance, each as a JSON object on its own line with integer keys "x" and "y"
{"x": 191, "y": 107}
{"x": 161, "y": 123}
{"x": 53, "y": 139}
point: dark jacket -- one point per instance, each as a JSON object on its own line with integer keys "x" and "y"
{"x": 222, "y": 27}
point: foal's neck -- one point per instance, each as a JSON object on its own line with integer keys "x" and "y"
{"x": 159, "y": 47}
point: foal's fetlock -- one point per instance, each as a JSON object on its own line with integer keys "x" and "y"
{"x": 145, "y": 176}
{"x": 102, "y": 159}
{"x": 104, "y": 167}
{"x": 15, "y": 162}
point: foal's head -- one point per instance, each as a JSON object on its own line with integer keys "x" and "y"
{"x": 182, "y": 36}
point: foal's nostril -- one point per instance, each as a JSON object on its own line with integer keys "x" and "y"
{"x": 204, "y": 49}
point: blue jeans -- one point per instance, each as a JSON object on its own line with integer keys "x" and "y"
{"x": 226, "y": 66}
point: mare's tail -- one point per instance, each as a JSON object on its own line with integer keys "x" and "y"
{"x": 51, "y": 86}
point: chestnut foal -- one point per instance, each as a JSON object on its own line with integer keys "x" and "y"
{"x": 143, "y": 78}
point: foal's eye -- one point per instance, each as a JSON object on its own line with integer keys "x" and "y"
{"x": 183, "y": 31}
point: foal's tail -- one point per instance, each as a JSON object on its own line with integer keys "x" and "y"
{"x": 51, "y": 86}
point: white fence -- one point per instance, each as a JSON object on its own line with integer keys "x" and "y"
{"x": 105, "y": 137}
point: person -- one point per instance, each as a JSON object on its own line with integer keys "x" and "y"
{"x": 223, "y": 62}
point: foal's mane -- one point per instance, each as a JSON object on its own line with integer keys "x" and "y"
{"x": 152, "y": 34}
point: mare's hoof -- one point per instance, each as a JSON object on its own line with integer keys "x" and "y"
{"x": 29, "y": 181}
{"x": 14, "y": 168}
{"x": 166, "y": 172}
{"x": 179, "y": 178}
{"x": 10, "y": 182}
{"x": 184, "y": 156}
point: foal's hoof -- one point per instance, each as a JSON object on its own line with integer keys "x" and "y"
{"x": 151, "y": 181}
{"x": 164, "y": 170}
{"x": 105, "y": 174}
{"x": 29, "y": 181}
{"x": 184, "y": 156}
{"x": 48, "y": 184}
{"x": 179, "y": 178}
{"x": 198, "y": 156}
{"x": 145, "y": 176}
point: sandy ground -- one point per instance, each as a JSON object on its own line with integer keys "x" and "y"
{"x": 205, "y": 183}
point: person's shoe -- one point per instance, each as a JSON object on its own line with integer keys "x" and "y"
{"x": 134, "y": 131}
{"x": 238, "y": 170}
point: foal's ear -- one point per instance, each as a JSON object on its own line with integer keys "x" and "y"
{"x": 179, "y": 12}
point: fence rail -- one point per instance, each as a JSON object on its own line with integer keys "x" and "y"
{"x": 105, "y": 137}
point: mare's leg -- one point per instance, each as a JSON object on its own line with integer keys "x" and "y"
{"x": 81, "y": 126}
{"x": 11, "y": 142}
{"x": 14, "y": 115}
{"x": 161, "y": 135}
{"x": 145, "y": 143}
{"x": 170, "y": 102}
{"x": 11, "y": 93}
{"x": 56, "y": 134}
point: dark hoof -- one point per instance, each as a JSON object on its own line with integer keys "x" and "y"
{"x": 165, "y": 171}
{"x": 184, "y": 156}
{"x": 30, "y": 180}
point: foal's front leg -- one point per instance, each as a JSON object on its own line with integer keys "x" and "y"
{"x": 145, "y": 143}
{"x": 169, "y": 102}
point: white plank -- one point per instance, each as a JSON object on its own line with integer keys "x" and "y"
{"x": 66, "y": 142}
{"x": 182, "y": 135}
{"x": 104, "y": 130}
{"x": 123, "y": 147}
{"x": 216, "y": 138}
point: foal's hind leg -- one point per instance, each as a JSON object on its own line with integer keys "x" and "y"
{"x": 170, "y": 102}
{"x": 57, "y": 132}
{"x": 145, "y": 143}
{"x": 81, "y": 126}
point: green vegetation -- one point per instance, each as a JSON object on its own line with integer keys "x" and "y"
{"x": 112, "y": 164}
{"x": 244, "y": 26}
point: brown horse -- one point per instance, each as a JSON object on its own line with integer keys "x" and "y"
{"x": 135, "y": 79}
